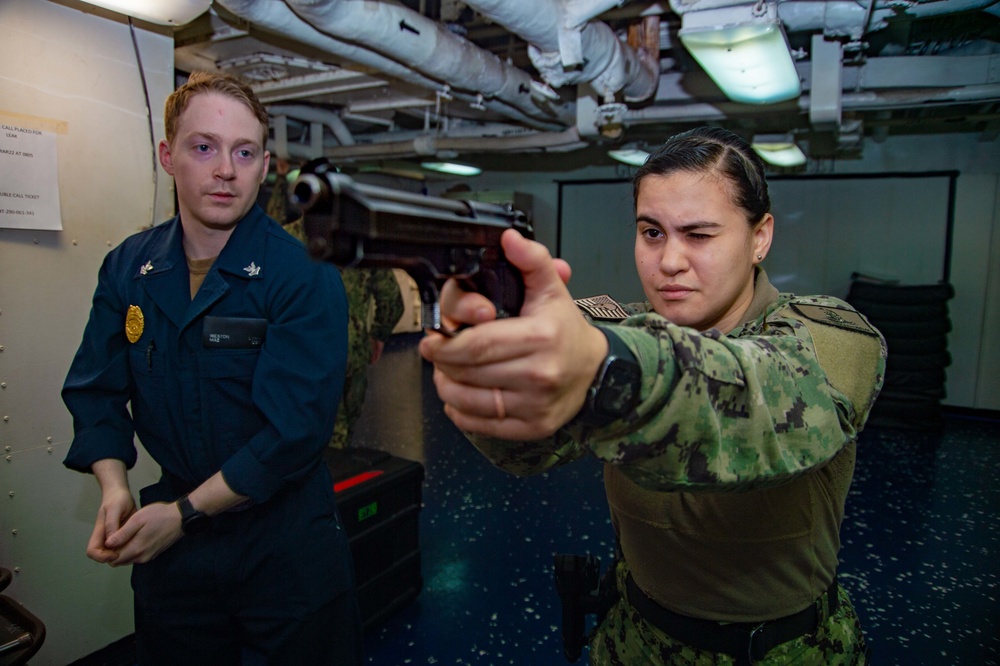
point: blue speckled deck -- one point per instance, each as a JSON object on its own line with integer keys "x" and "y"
{"x": 919, "y": 557}
{"x": 920, "y": 543}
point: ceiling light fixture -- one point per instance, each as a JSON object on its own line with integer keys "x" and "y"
{"x": 452, "y": 168}
{"x": 163, "y": 12}
{"x": 629, "y": 155}
{"x": 743, "y": 49}
{"x": 779, "y": 150}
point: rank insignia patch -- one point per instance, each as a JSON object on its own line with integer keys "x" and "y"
{"x": 134, "y": 323}
{"x": 839, "y": 317}
{"x": 603, "y": 308}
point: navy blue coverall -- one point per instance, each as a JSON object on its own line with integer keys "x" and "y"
{"x": 269, "y": 578}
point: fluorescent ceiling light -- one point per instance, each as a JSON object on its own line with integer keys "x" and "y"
{"x": 452, "y": 168}
{"x": 630, "y": 156}
{"x": 780, "y": 151}
{"x": 163, "y": 12}
{"x": 743, "y": 49}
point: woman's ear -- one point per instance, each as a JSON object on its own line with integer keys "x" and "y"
{"x": 763, "y": 233}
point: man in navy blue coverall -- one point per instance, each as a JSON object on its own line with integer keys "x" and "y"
{"x": 227, "y": 344}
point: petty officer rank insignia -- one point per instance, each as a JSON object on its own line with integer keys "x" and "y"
{"x": 603, "y": 308}
{"x": 134, "y": 322}
{"x": 833, "y": 316}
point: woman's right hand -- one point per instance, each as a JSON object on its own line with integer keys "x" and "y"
{"x": 524, "y": 377}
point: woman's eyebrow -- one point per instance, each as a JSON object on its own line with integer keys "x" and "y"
{"x": 689, "y": 226}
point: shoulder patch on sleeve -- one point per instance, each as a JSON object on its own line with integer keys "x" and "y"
{"x": 603, "y": 308}
{"x": 835, "y": 316}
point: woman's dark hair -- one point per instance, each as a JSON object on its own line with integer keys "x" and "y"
{"x": 713, "y": 149}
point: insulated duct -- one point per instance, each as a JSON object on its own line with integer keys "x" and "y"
{"x": 567, "y": 52}
{"x": 845, "y": 18}
{"x": 841, "y": 18}
{"x": 275, "y": 17}
{"x": 430, "y": 48}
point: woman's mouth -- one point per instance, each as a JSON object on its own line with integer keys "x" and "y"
{"x": 674, "y": 292}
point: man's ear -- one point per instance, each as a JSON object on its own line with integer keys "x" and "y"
{"x": 166, "y": 158}
{"x": 267, "y": 163}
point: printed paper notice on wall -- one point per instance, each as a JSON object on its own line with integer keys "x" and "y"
{"x": 29, "y": 178}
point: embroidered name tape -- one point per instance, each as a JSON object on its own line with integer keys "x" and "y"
{"x": 233, "y": 332}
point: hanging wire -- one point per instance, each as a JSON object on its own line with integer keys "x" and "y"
{"x": 149, "y": 114}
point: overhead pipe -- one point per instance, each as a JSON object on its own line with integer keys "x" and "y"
{"x": 567, "y": 53}
{"x": 855, "y": 19}
{"x": 330, "y": 119}
{"x": 548, "y": 141}
{"x": 579, "y": 12}
{"x": 275, "y": 17}
{"x": 457, "y": 130}
{"x": 431, "y": 49}
{"x": 920, "y": 97}
{"x": 844, "y": 18}
{"x": 429, "y": 145}
{"x": 835, "y": 18}
{"x": 855, "y": 101}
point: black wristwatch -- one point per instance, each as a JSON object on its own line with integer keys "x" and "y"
{"x": 192, "y": 520}
{"x": 615, "y": 389}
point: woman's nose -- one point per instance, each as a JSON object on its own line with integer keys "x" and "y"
{"x": 673, "y": 260}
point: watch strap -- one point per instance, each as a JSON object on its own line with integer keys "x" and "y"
{"x": 617, "y": 346}
{"x": 607, "y": 380}
{"x": 192, "y": 520}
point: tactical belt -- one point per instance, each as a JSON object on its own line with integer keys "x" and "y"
{"x": 746, "y": 642}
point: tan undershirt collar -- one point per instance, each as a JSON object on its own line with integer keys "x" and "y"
{"x": 198, "y": 269}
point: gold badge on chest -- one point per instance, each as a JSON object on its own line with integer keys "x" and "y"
{"x": 134, "y": 322}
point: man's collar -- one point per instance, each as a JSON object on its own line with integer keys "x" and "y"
{"x": 243, "y": 254}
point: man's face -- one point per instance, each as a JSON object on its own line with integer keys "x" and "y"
{"x": 694, "y": 250}
{"x": 217, "y": 160}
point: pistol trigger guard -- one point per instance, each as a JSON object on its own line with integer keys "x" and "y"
{"x": 443, "y": 330}
{"x": 430, "y": 317}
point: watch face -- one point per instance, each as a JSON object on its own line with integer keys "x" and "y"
{"x": 194, "y": 523}
{"x": 192, "y": 520}
{"x": 619, "y": 388}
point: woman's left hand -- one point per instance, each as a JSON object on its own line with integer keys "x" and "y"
{"x": 524, "y": 377}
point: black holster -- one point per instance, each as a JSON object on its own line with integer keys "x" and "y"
{"x": 582, "y": 591}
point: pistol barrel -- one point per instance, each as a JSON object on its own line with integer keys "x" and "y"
{"x": 431, "y": 238}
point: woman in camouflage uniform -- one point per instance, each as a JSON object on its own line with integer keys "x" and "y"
{"x": 725, "y": 412}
